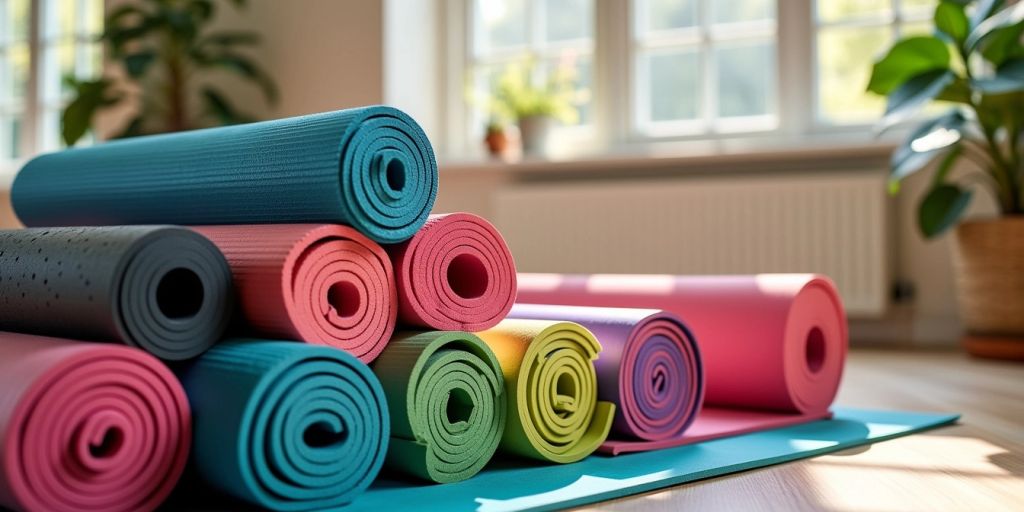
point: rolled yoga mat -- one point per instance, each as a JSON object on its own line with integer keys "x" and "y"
{"x": 286, "y": 426}
{"x": 87, "y": 426}
{"x": 773, "y": 345}
{"x": 650, "y": 369}
{"x": 163, "y": 289}
{"x": 318, "y": 283}
{"x": 553, "y": 410}
{"x": 455, "y": 274}
{"x": 371, "y": 168}
{"x": 447, "y": 402}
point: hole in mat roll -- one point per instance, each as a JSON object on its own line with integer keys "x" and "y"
{"x": 545, "y": 422}
{"x": 448, "y": 404}
{"x": 90, "y": 426}
{"x": 163, "y": 289}
{"x": 284, "y": 425}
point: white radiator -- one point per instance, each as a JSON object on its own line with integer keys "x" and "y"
{"x": 830, "y": 223}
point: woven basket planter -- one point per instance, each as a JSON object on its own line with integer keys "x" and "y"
{"x": 989, "y": 263}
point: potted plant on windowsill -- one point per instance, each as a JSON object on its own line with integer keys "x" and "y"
{"x": 536, "y": 105}
{"x": 975, "y": 63}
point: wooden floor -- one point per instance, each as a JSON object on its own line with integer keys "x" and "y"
{"x": 976, "y": 465}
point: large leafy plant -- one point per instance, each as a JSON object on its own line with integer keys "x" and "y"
{"x": 974, "y": 63}
{"x": 167, "y": 54}
{"x": 520, "y": 92}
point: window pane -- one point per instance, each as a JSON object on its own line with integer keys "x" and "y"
{"x": 835, "y": 10}
{"x": 58, "y": 62}
{"x": 499, "y": 24}
{"x": 730, "y": 11}
{"x": 566, "y": 20}
{"x": 746, "y": 78}
{"x": 672, "y": 80}
{"x": 10, "y": 137}
{"x": 13, "y": 74}
{"x": 845, "y": 56}
{"x": 918, "y": 8}
{"x": 666, "y": 14}
{"x": 917, "y": 28}
{"x": 14, "y": 20}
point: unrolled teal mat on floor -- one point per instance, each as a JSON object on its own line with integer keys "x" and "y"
{"x": 371, "y": 168}
{"x": 598, "y": 478}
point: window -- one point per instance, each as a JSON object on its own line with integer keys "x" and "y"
{"x": 687, "y": 69}
{"x": 548, "y": 36}
{"x": 41, "y": 42}
{"x": 704, "y": 66}
{"x": 850, "y": 36}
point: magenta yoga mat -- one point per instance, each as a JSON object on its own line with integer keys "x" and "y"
{"x": 773, "y": 345}
{"x": 88, "y": 426}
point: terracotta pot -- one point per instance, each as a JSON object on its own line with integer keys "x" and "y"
{"x": 989, "y": 263}
{"x": 497, "y": 142}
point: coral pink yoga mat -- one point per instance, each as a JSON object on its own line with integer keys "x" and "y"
{"x": 773, "y": 345}
{"x": 319, "y": 283}
{"x": 455, "y": 274}
{"x": 87, "y": 426}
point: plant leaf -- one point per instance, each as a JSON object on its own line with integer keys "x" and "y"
{"x": 947, "y": 164}
{"x": 983, "y": 10}
{"x": 906, "y": 59}
{"x": 90, "y": 96}
{"x": 132, "y": 129}
{"x": 1008, "y": 78}
{"x": 201, "y": 9}
{"x": 137, "y": 63}
{"x": 230, "y": 38}
{"x": 941, "y": 208}
{"x": 1009, "y": 16}
{"x": 951, "y": 20}
{"x": 929, "y": 139}
{"x": 221, "y": 108}
{"x": 958, "y": 91}
{"x": 1002, "y": 44}
{"x": 906, "y": 100}
{"x": 242, "y": 66}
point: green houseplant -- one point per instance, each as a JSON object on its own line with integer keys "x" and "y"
{"x": 167, "y": 53}
{"x": 534, "y": 105}
{"x": 974, "y": 63}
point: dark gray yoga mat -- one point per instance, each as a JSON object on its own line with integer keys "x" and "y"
{"x": 166, "y": 290}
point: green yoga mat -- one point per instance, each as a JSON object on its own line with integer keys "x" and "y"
{"x": 554, "y": 414}
{"x": 599, "y": 478}
{"x": 285, "y": 425}
{"x": 371, "y": 168}
{"x": 447, "y": 404}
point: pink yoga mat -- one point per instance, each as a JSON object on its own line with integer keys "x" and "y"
{"x": 773, "y": 345}
{"x": 455, "y": 274}
{"x": 649, "y": 366}
{"x": 318, "y": 283}
{"x": 87, "y": 426}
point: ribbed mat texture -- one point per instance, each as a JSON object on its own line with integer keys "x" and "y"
{"x": 371, "y": 168}
{"x": 554, "y": 414}
{"x": 447, "y": 399}
{"x": 163, "y": 289}
{"x": 454, "y": 274}
{"x": 319, "y": 283}
{"x": 286, "y": 426}
{"x": 650, "y": 369}
{"x": 87, "y": 426}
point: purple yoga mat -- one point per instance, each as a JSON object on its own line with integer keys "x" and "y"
{"x": 649, "y": 367}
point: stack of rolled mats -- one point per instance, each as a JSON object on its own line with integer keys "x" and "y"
{"x": 269, "y": 312}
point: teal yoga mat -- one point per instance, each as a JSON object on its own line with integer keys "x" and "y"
{"x": 284, "y": 425}
{"x": 599, "y": 478}
{"x": 371, "y": 168}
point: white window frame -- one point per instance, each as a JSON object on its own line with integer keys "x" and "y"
{"x": 34, "y": 103}
{"x": 796, "y": 115}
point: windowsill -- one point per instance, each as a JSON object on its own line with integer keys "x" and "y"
{"x": 838, "y": 151}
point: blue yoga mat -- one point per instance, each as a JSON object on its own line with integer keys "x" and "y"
{"x": 598, "y": 478}
{"x": 285, "y": 425}
{"x": 371, "y": 168}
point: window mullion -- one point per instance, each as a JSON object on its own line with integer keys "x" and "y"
{"x": 796, "y": 45}
{"x": 709, "y": 83}
{"x": 613, "y": 52}
{"x": 32, "y": 106}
